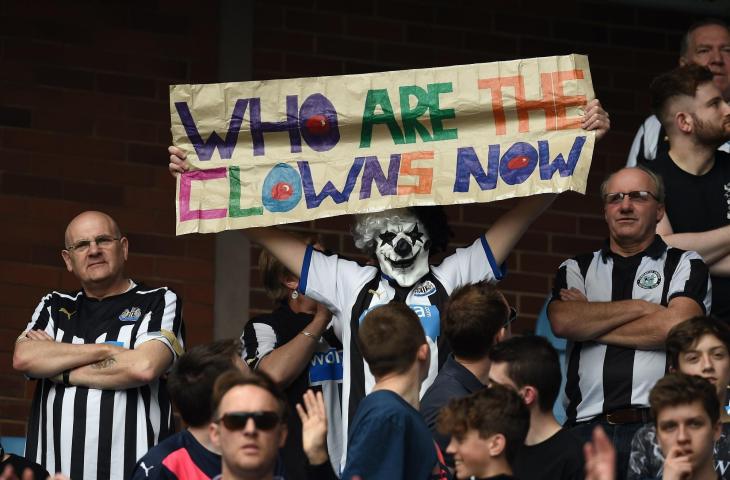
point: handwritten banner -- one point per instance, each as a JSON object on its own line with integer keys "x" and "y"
{"x": 281, "y": 151}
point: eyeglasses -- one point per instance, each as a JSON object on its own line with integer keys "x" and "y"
{"x": 635, "y": 196}
{"x": 102, "y": 241}
{"x": 512, "y": 317}
{"x": 239, "y": 420}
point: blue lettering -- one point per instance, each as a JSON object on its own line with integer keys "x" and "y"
{"x": 372, "y": 171}
{"x": 547, "y": 169}
{"x": 329, "y": 190}
{"x": 468, "y": 165}
{"x": 205, "y": 150}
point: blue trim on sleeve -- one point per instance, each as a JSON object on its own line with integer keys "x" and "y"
{"x": 498, "y": 272}
{"x": 305, "y": 270}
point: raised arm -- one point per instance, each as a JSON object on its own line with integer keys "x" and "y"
{"x": 285, "y": 363}
{"x": 37, "y": 355}
{"x": 126, "y": 369}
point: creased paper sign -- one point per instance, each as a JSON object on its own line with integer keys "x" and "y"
{"x": 281, "y": 151}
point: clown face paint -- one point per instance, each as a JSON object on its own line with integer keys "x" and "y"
{"x": 402, "y": 250}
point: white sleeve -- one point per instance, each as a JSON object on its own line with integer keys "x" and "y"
{"x": 468, "y": 265}
{"x": 635, "y": 146}
{"x": 333, "y": 281}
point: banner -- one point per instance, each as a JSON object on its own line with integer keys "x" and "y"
{"x": 281, "y": 151}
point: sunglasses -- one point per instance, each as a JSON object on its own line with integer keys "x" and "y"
{"x": 239, "y": 420}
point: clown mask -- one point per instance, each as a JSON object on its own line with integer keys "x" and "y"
{"x": 402, "y": 250}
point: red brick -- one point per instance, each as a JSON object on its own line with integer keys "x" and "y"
{"x": 25, "y": 274}
{"x": 185, "y": 269}
{"x": 523, "y": 282}
{"x": 374, "y": 28}
{"x": 301, "y": 20}
{"x": 539, "y": 263}
{"x": 575, "y": 245}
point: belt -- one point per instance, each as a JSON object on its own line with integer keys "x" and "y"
{"x": 625, "y": 415}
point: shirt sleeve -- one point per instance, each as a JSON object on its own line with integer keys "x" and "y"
{"x": 42, "y": 318}
{"x": 469, "y": 265}
{"x": 333, "y": 281}
{"x": 692, "y": 279}
{"x": 163, "y": 323}
{"x": 259, "y": 339}
{"x": 568, "y": 276}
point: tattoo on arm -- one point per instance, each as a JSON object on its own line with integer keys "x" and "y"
{"x": 102, "y": 364}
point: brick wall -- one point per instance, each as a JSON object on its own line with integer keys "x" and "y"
{"x": 84, "y": 122}
{"x": 626, "y": 46}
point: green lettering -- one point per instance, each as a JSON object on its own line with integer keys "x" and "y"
{"x": 234, "y": 199}
{"x": 411, "y": 125}
{"x": 374, "y": 99}
{"x": 438, "y": 115}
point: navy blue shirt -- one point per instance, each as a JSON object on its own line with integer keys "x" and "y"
{"x": 453, "y": 381}
{"x": 389, "y": 439}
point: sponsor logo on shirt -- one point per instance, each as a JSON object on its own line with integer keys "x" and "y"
{"x": 130, "y": 314}
{"x": 650, "y": 279}
{"x": 425, "y": 289}
{"x": 428, "y": 315}
{"x": 325, "y": 367}
{"x": 430, "y": 319}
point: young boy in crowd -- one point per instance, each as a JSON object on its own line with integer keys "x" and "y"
{"x": 530, "y": 366}
{"x": 686, "y": 414}
{"x": 487, "y": 429}
{"x": 388, "y": 437}
{"x": 698, "y": 346}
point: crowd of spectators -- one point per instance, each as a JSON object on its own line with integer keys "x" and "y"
{"x": 402, "y": 369}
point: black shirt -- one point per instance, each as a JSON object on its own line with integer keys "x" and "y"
{"x": 19, "y": 465}
{"x": 560, "y": 457}
{"x": 698, "y": 203}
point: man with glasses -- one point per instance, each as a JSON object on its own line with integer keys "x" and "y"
{"x": 476, "y": 317}
{"x": 616, "y": 305}
{"x": 697, "y": 175}
{"x": 250, "y": 427}
{"x": 98, "y": 355}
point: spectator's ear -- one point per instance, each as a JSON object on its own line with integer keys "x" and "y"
{"x": 529, "y": 395}
{"x": 290, "y": 281}
{"x": 215, "y": 434}
{"x": 496, "y": 444}
{"x": 284, "y": 432}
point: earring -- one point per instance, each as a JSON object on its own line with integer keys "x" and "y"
{"x": 294, "y": 295}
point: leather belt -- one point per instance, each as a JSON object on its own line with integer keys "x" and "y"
{"x": 625, "y": 415}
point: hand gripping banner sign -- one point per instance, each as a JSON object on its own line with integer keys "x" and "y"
{"x": 281, "y": 151}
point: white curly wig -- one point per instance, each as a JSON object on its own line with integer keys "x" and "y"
{"x": 370, "y": 225}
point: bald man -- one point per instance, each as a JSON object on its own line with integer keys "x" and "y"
{"x": 97, "y": 355}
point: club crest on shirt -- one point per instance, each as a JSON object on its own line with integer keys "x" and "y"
{"x": 130, "y": 314}
{"x": 425, "y": 289}
{"x": 650, "y": 279}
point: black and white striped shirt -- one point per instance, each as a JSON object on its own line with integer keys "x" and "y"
{"x": 88, "y": 433}
{"x": 350, "y": 290}
{"x": 601, "y": 378}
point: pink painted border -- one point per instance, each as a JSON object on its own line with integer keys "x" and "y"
{"x": 186, "y": 181}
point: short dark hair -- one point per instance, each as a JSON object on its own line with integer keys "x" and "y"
{"x": 684, "y": 335}
{"x": 389, "y": 338}
{"x": 678, "y": 388}
{"x": 681, "y": 81}
{"x": 490, "y": 411}
{"x": 236, "y": 378}
{"x": 531, "y": 360}
{"x": 656, "y": 179}
{"x": 190, "y": 383}
{"x": 473, "y": 316}
{"x": 684, "y": 42}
